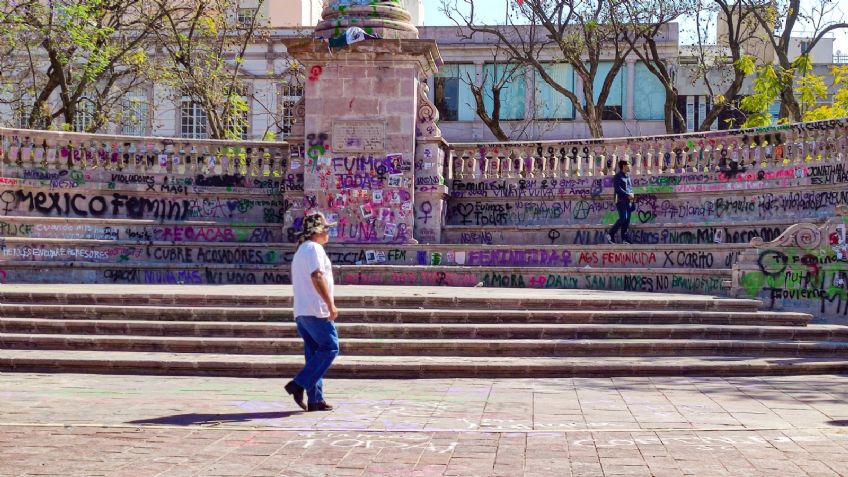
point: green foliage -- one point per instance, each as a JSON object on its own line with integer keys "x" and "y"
{"x": 839, "y": 108}
{"x": 745, "y": 64}
{"x": 770, "y": 82}
{"x": 80, "y": 51}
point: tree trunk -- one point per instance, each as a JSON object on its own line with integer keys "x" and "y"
{"x": 596, "y": 128}
{"x": 670, "y": 113}
{"x": 789, "y": 107}
{"x": 493, "y": 121}
{"x": 593, "y": 119}
{"x": 712, "y": 116}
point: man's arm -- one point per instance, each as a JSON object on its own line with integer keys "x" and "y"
{"x": 324, "y": 292}
{"x": 620, "y": 187}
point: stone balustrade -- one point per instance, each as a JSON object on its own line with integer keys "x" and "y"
{"x": 709, "y": 152}
{"x": 50, "y": 151}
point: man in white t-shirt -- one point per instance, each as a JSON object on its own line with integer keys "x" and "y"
{"x": 315, "y": 312}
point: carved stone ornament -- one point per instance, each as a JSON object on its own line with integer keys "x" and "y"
{"x": 428, "y": 115}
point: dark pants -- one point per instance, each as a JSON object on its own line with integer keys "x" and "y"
{"x": 320, "y": 346}
{"x": 625, "y": 209}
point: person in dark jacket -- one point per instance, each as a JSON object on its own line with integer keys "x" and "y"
{"x": 625, "y": 203}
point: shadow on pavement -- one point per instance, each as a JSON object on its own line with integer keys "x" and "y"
{"x": 200, "y": 419}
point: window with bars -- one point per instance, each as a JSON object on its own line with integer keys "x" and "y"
{"x": 238, "y": 123}
{"x": 245, "y": 16}
{"x": 23, "y": 111}
{"x": 193, "y": 121}
{"x": 84, "y": 116}
{"x": 134, "y": 114}
{"x": 289, "y": 97}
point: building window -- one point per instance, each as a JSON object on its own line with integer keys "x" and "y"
{"x": 246, "y": 16}
{"x": 452, "y": 94}
{"x": 238, "y": 122}
{"x": 648, "y": 94}
{"x": 512, "y": 96}
{"x": 192, "y": 120}
{"x": 23, "y": 111}
{"x": 134, "y": 113}
{"x": 550, "y": 103}
{"x": 613, "y": 107}
{"x": 84, "y": 116}
{"x": 290, "y": 95}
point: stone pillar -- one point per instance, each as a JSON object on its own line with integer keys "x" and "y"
{"x": 361, "y": 120}
{"x": 431, "y": 191}
{"x": 629, "y": 112}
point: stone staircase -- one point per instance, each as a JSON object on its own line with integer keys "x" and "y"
{"x": 408, "y": 332}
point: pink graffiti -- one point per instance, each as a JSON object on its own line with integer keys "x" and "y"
{"x": 315, "y": 72}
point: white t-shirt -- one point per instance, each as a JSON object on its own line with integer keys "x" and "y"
{"x": 309, "y": 257}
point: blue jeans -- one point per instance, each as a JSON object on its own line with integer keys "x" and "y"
{"x": 321, "y": 346}
{"x": 625, "y": 209}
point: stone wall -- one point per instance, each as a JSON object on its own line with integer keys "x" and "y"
{"x": 805, "y": 269}
{"x": 103, "y": 209}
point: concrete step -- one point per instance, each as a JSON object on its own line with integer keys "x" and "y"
{"x": 433, "y": 347}
{"x": 391, "y": 297}
{"x": 425, "y": 331}
{"x": 408, "y": 315}
{"x": 406, "y": 367}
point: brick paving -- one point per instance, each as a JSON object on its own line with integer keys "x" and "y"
{"x": 87, "y": 425}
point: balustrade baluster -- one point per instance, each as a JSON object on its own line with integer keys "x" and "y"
{"x": 649, "y": 158}
{"x": 26, "y": 152}
{"x": 797, "y": 148}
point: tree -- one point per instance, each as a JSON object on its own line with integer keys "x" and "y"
{"x": 204, "y": 47}
{"x": 809, "y": 88}
{"x": 643, "y": 22}
{"x": 818, "y": 17}
{"x": 722, "y": 67}
{"x": 85, "y": 53}
{"x": 536, "y": 33}
{"x": 492, "y": 85}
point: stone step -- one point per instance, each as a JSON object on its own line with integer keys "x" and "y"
{"x": 499, "y": 331}
{"x": 209, "y": 231}
{"x": 139, "y": 230}
{"x": 124, "y": 252}
{"x": 433, "y": 347}
{"x": 391, "y": 297}
{"x": 408, "y": 315}
{"x": 407, "y": 367}
{"x": 663, "y": 280}
{"x": 651, "y": 233}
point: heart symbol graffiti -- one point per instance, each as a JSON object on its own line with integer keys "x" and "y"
{"x": 646, "y": 216}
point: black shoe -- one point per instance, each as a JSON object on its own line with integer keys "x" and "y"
{"x": 296, "y": 392}
{"x": 320, "y": 406}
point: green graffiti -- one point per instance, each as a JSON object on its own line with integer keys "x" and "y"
{"x": 752, "y": 283}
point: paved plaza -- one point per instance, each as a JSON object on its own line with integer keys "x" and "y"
{"x": 93, "y": 425}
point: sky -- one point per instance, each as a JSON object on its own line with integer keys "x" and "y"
{"x": 433, "y": 17}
